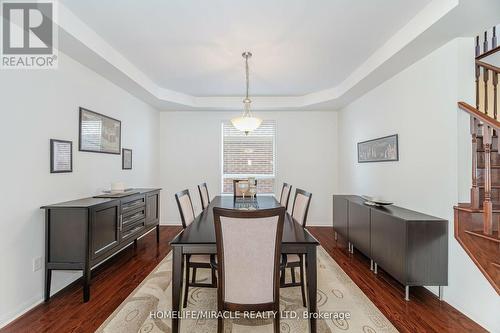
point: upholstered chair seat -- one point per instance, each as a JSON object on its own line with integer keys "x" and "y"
{"x": 290, "y": 258}
{"x": 200, "y": 258}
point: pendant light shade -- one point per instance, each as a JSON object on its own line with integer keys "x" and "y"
{"x": 247, "y": 122}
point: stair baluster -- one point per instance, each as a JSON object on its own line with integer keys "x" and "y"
{"x": 494, "y": 38}
{"x": 487, "y": 204}
{"x": 485, "y": 77}
{"x": 478, "y": 72}
{"x": 485, "y": 43}
{"x": 474, "y": 192}
{"x": 495, "y": 97}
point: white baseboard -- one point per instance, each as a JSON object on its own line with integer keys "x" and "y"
{"x": 10, "y": 316}
{"x": 170, "y": 223}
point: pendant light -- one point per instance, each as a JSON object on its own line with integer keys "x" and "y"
{"x": 247, "y": 122}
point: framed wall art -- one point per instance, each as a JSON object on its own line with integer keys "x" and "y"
{"x": 383, "y": 149}
{"x": 99, "y": 133}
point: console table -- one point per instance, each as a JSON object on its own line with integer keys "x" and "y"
{"x": 82, "y": 233}
{"x": 410, "y": 246}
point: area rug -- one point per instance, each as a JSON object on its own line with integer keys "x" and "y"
{"x": 343, "y": 305}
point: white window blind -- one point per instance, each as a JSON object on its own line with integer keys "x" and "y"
{"x": 251, "y": 155}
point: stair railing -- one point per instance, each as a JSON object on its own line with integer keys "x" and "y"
{"x": 484, "y": 124}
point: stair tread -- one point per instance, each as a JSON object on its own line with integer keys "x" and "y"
{"x": 467, "y": 208}
{"x": 492, "y": 167}
{"x": 479, "y": 233}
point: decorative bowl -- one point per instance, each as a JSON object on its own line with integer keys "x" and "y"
{"x": 373, "y": 201}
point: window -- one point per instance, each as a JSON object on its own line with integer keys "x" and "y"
{"x": 251, "y": 155}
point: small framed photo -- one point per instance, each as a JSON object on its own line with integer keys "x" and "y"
{"x": 126, "y": 159}
{"x": 61, "y": 156}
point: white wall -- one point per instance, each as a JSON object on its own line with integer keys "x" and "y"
{"x": 306, "y": 150}
{"x": 433, "y": 173}
{"x": 37, "y": 105}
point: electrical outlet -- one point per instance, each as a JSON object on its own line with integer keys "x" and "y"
{"x": 37, "y": 263}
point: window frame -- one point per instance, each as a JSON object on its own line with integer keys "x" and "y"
{"x": 257, "y": 176}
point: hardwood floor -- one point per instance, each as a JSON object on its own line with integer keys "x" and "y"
{"x": 423, "y": 313}
{"x": 111, "y": 283}
{"x": 114, "y": 280}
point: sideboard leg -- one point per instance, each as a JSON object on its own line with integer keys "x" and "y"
{"x": 158, "y": 233}
{"x": 371, "y": 264}
{"x": 336, "y": 236}
{"x": 48, "y": 279}
{"x": 440, "y": 293}
{"x": 375, "y": 268}
{"x": 407, "y": 293}
{"x": 86, "y": 283}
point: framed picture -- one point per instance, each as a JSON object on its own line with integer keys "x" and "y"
{"x": 99, "y": 133}
{"x": 61, "y": 156}
{"x": 383, "y": 149}
{"x": 126, "y": 159}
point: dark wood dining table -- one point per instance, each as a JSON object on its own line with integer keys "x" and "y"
{"x": 199, "y": 238}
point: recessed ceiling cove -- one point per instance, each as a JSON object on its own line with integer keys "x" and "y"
{"x": 308, "y": 54}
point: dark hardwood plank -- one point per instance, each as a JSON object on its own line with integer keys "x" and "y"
{"x": 423, "y": 313}
{"x": 115, "y": 279}
{"x": 112, "y": 282}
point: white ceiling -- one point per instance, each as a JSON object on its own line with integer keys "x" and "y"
{"x": 194, "y": 46}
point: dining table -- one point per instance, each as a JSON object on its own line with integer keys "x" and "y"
{"x": 199, "y": 238}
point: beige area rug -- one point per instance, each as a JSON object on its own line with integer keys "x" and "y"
{"x": 337, "y": 295}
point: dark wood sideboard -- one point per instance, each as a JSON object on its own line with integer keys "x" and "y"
{"x": 412, "y": 247}
{"x": 82, "y": 233}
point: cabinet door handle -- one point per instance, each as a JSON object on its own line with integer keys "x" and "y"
{"x": 121, "y": 222}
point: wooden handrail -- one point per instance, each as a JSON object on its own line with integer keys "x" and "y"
{"x": 487, "y": 53}
{"x": 488, "y": 66}
{"x": 479, "y": 115}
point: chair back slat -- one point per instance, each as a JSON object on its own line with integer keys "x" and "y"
{"x": 285, "y": 195}
{"x": 185, "y": 206}
{"x": 204, "y": 197}
{"x": 301, "y": 206}
{"x": 248, "y": 274}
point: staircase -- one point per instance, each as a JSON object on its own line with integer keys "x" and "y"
{"x": 477, "y": 223}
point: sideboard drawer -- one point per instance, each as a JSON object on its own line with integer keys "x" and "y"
{"x": 132, "y": 229}
{"x": 132, "y": 216}
{"x": 132, "y": 203}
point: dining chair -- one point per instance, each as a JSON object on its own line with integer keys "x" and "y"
{"x": 193, "y": 261}
{"x": 285, "y": 194}
{"x": 248, "y": 275}
{"x": 204, "y": 197}
{"x": 236, "y": 191}
{"x": 299, "y": 213}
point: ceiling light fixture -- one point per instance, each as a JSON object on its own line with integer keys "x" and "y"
{"x": 247, "y": 122}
